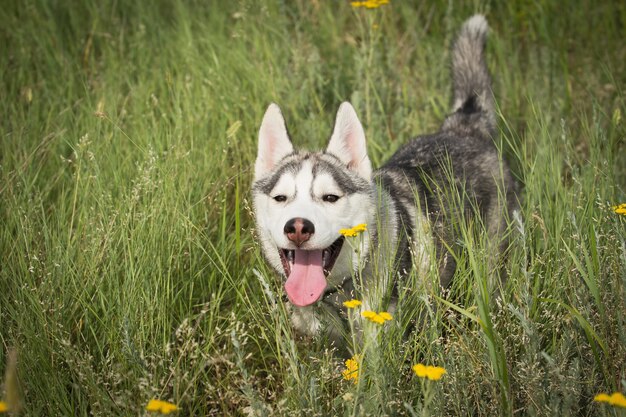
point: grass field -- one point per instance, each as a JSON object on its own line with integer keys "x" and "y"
{"x": 129, "y": 266}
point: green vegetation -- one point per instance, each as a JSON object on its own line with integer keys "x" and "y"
{"x": 129, "y": 268}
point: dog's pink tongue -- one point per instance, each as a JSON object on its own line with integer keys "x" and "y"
{"x": 306, "y": 282}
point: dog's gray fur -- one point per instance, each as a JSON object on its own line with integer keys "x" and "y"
{"x": 411, "y": 203}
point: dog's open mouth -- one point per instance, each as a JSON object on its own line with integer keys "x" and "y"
{"x": 329, "y": 256}
{"x": 306, "y": 271}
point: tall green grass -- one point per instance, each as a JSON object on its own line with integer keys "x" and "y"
{"x": 129, "y": 266}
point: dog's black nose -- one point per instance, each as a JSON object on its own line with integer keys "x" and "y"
{"x": 299, "y": 230}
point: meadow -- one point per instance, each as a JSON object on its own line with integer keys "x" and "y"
{"x": 129, "y": 265}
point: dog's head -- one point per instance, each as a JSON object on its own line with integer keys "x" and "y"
{"x": 302, "y": 200}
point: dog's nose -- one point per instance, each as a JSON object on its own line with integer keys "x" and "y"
{"x": 299, "y": 230}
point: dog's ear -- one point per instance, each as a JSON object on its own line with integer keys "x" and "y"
{"x": 348, "y": 141}
{"x": 274, "y": 142}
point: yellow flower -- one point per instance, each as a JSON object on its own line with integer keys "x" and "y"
{"x": 602, "y": 398}
{"x": 347, "y": 232}
{"x": 352, "y": 369}
{"x": 162, "y": 407}
{"x": 434, "y": 373}
{"x": 3, "y": 407}
{"x": 352, "y": 303}
{"x": 369, "y": 4}
{"x": 354, "y": 231}
{"x": 616, "y": 399}
{"x": 378, "y": 318}
{"x": 370, "y": 315}
{"x": 385, "y": 315}
{"x": 620, "y": 209}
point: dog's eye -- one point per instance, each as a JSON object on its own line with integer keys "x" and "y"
{"x": 330, "y": 198}
{"x": 280, "y": 198}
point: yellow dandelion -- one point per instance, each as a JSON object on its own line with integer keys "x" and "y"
{"x": 369, "y": 4}
{"x": 3, "y": 407}
{"x": 347, "y": 232}
{"x": 378, "y": 318}
{"x": 602, "y": 398}
{"x": 433, "y": 373}
{"x": 352, "y": 303}
{"x": 353, "y": 231}
{"x": 617, "y": 399}
{"x": 368, "y": 314}
{"x": 372, "y": 316}
{"x": 386, "y": 316}
{"x": 159, "y": 406}
{"x": 620, "y": 209}
{"x": 352, "y": 369}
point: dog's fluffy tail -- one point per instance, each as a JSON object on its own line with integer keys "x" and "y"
{"x": 473, "y": 106}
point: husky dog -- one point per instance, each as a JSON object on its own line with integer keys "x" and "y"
{"x": 302, "y": 199}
